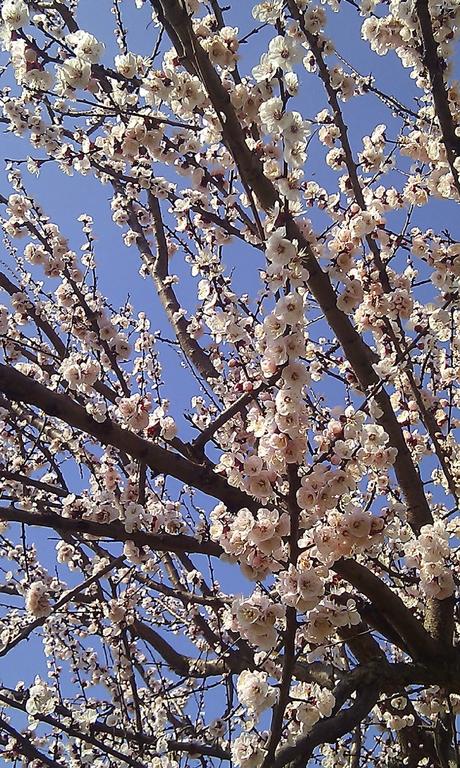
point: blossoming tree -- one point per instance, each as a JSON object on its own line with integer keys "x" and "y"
{"x": 267, "y": 578}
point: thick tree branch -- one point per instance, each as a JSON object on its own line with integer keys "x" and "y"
{"x": 435, "y": 67}
{"x": 329, "y": 729}
{"x": 173, "y": 15}
{"x": 158, "y": 268}
{"x": 23, "y": 389}
{"x": 161, "y": 542}
{"x": 390, "y": 606}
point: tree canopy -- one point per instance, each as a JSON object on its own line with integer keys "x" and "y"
{"x": 229, "y": 499}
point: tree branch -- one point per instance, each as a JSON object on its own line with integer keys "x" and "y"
{"x": 23, "y": 389}
{"x": 435, "y": 67}
{"x": 178, "y": 25}
{"x": 160, "y": 542}
{"x": 158, "y": 268}
{"x": 402, "y": 620}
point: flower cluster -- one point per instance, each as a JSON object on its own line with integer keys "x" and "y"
{"x": 256, "y": 619}
{"x": 134, "y": 412}
{"x": 430, "y": 553}
{"x": 80, "y": 373}
{"x": 301, "y": 589}
{"x": 254, "y": 692}
{"x": 323, "y": 621}
{"x": 42, "y": 699}
{"x": 309, "y": 704}
{"x": 15, "y": 14}
{"x": 37, "y": 600}
{"x": 248, "y": 751}
{"x": 343, "y": 534}
{"x": 255, "y": 540}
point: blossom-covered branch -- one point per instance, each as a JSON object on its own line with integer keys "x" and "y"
{"x": 230, "y": 473}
